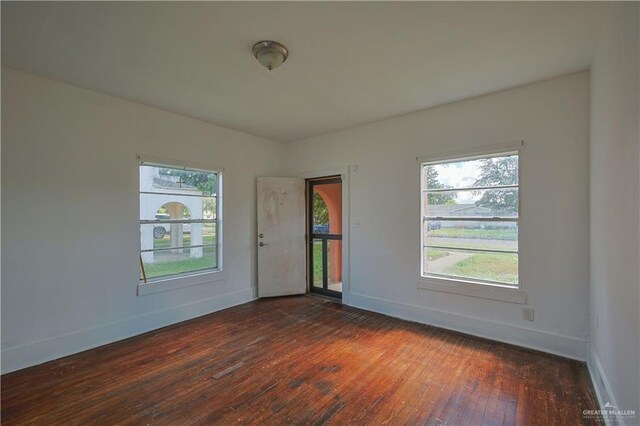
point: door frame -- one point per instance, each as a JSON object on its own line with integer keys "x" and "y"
{"x": 343, "y": 172}
{"x": 310, "y": 184}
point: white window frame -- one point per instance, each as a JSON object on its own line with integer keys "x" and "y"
{"x": 192, "y": 278}
{"x": 468, "y": 286}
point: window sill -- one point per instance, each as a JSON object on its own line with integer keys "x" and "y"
{"x": 176, "y": 283}
{"x": 469, "y": 288}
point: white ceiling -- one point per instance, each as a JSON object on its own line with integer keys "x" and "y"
{"x": 350, "y": 63}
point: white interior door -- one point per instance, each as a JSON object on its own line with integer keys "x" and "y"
{"x": 281, "y": 244}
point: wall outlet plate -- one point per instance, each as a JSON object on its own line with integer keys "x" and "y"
{"x": 527, "y": 313}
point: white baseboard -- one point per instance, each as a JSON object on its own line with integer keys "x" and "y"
{"x": 566, "y": 346}
{"x": 601, "y": 385}
{"x": 38, "y": 352}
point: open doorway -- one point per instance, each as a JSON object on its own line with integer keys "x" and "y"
{"x": 324, "y": 222}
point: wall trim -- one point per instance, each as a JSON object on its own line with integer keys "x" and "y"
{"x": 557, "y": 344}
{"x": 601, "y": 385}
{"x": 471, "y": 153}
{"x": 175, "y": 283}
{"x": 35, "y": 353}
{"x": 471, "y": 289}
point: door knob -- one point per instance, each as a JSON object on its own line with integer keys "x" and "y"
{"x": 261, "y": 244}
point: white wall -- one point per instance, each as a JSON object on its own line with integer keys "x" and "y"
{"x": 552, "y": 117}
{"x": 70, "y": 217}
{"x": 615, "y": 240}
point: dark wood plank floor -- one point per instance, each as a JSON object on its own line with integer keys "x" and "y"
{"x": 301, "y": 360}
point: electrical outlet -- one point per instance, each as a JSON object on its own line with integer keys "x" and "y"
{"x": 527, "y": 313}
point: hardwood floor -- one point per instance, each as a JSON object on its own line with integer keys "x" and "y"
{"x": 301, "y": 360}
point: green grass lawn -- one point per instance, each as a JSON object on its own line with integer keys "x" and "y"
{"x": 160, "y": 269}
{"x": 488, "y": 266}
{"x": 476, "y": 243}
{"x": 489, "y": 234}
{"x": 317, "y": 264}
{"x": 165, "y": 242}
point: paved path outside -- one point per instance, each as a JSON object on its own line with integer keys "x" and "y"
{"x": 475, "y": 243}
{"x": 335, "y": 286}
{"x": 440, "y": 265}
{"x": 331, "y": 286}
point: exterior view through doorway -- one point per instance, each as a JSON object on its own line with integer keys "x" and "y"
{"x": 324, "y": 222}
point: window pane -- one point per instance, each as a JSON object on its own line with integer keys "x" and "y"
{"x": 176, "y": 261}
{"x": 320, "y": 215}
{"x": 496, "y": 267}
{"x": 169, "y": 195}
{"x": 209, "y": 232}
{"x": 478, "y": 203}
{"x": 327, "y": 199}
{"x": 167, "y": 179}
{"x": 502, "y": 236}
{"x": 209, "y": 208}
{"x": 334, "y": 265}
{"x": 317, "y": 263}
{"x": 168, "y": 235}
{"x": 501, "y": 170}
{"x": 484, "y": 250}
{"x": 176, "y": 206}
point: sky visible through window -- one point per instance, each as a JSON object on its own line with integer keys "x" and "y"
{"x": 461, "y": 174}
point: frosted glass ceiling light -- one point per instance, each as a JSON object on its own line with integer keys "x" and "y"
{"x": 270, "y": 54}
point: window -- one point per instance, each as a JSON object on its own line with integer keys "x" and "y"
{"x": 179, "y": 221}
{"x": 470, "y": 212}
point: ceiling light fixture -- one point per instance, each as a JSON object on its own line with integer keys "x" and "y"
{"x": 270, "y": 54}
